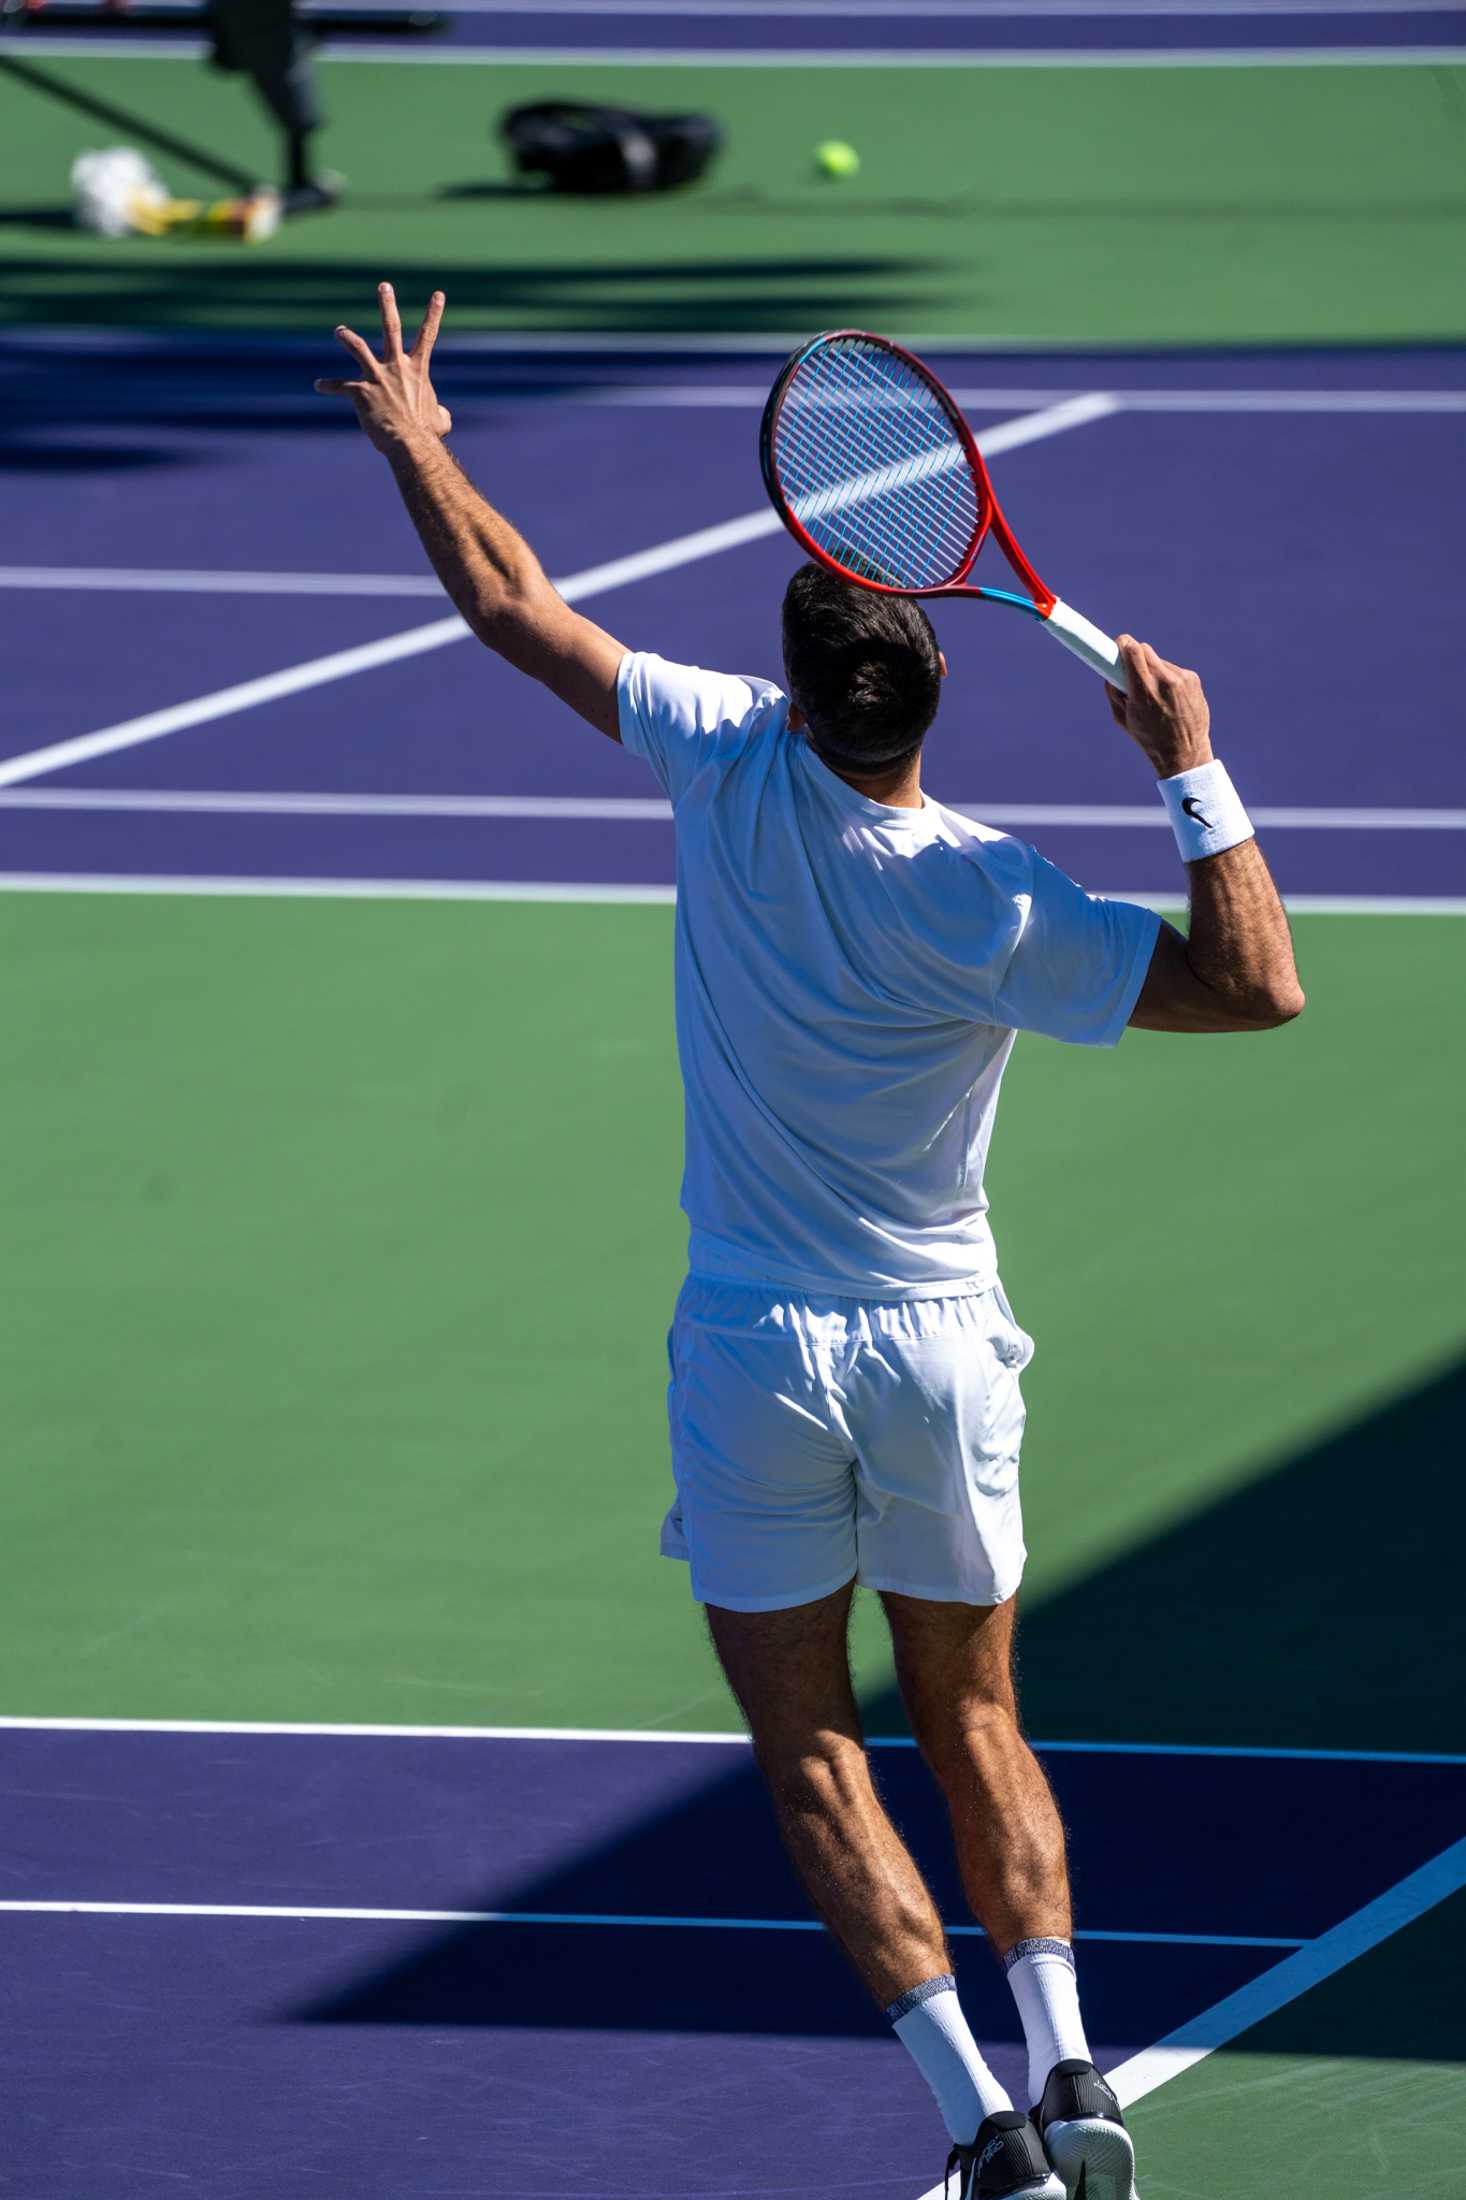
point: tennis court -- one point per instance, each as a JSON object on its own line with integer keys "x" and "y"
{"x": 375, "y": 1821}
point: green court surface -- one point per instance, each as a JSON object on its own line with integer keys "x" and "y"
{"x": 1047, "y": 206}
{"x": 1359, "y": 2081}
{"x": 342, "y": 1239}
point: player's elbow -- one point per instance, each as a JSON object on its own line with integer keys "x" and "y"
{"x": 1273, "y": 1005}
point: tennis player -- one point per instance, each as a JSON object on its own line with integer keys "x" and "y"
{"x": 852, "y": 963}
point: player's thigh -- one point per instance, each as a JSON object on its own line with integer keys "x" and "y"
{"x": 935, "y": 1406}
{"x": 954, "y": 1665}
{"x": 765, "y": 1507}
{"x": 790, "y": 1671}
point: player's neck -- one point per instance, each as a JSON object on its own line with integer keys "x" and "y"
{"x": 900, "y": 790}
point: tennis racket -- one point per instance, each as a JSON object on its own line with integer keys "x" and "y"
{"x": 875, "y": 473}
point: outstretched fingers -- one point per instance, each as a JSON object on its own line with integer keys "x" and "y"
{"x": 391, "y": 321}
{"x": 427, "y": 335}
{"x": 361, "y": 351}
{"x": 335, "y": 386}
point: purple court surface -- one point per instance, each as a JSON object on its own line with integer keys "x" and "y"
{"x": 264, "y": 1965}
{"x": 261, "y": 683}
{"x": 1088, "y": 31}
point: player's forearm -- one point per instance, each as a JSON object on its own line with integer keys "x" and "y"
{"x": 491, "y": 575}
{"x": 1238, "y": 942}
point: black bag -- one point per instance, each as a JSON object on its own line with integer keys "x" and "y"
{"x": 585, "y": 148}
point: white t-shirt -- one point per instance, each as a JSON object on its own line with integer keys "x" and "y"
{"x": 849, "y": 980}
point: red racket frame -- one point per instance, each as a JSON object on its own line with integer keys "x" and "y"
{"x": 991, "y": 523}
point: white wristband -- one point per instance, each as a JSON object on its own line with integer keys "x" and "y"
{"x": 1206, "y": 811}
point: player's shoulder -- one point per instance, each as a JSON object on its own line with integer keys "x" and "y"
{"x": 699, "y": 699}
{"x": 1000, "y": 858}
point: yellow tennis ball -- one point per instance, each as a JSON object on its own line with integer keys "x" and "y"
{"x": 836, "y": 158}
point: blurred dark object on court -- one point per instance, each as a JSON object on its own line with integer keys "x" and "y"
{"x": 590, "y": 149}
{"x": 266, "y": 41}
{"x": 322, "y": 22}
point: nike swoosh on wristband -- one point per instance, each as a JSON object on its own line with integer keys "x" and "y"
{"x": 1193, "y": 809}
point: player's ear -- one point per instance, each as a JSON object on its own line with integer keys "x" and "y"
{"x": 942, "y": 661}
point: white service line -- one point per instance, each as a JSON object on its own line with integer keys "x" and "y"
{"x": 213, "y": 885}
{"x": 310, "y": 1913}
{"x": 750, "y": 395}
{"x": 165, "y": 581}
{"x": 41, "y": 1722}
{"x": 1314, "y": 1962}
{"x": 595, "y": 580}
{"x": 643, "y": 809}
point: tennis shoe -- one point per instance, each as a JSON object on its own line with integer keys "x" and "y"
{"x": 1004, "y": 2162}
{"x": 1084, "y": 2135}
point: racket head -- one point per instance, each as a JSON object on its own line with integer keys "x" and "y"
{"x": 872, "y": 468}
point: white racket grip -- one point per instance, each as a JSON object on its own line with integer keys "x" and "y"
{"x": 1088, "y": 644}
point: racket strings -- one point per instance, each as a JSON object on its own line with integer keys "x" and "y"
{"x": 876, "y": 472}
{"x": 862, "y": 480}
{"x": 873, "y": 468}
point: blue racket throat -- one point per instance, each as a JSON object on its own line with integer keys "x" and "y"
{"x": 1006, "y": 595}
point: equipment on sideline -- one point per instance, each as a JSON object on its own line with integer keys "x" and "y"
{"x": 117, "y": 194}
{"x": 586, "y": 148}
{"x": 875, "y": 473}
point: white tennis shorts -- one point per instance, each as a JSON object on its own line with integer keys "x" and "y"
{"x": 821, "y": 1440}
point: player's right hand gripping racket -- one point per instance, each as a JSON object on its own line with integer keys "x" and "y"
{"x": 875, "y": 472}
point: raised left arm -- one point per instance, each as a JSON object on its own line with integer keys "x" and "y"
{"x": 489, "y": 571}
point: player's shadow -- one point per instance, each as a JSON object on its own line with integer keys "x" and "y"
{"x": 1317, "y": 1607}
{"x": 615, "y": 293}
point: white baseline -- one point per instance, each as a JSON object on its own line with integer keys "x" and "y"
{"x": 205, "y": 885}
{"x": 653, "y": 809}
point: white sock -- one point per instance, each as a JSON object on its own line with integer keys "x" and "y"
{"x": 931, "y": 2027}
{"x": 1041, "y": 1974}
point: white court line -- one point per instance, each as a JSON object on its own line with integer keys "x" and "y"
{"x": 1316, "y": 1961}
{"x": 642, "y": 809}
{"x": 721, "y": 1739}
{"x": 578, "y": 1917}
{"x": 893, "y": 10}
{"x": 713, "y": 396}
{"x": 206, "y": 885}
{"x": 654, "y": 396}
{"x": 141, "y": 47}
{"x": 71, "y": 339}
{"x": 596, "y": 580}
{"x": 164, "y": 580}
{"x": 737, "y": 11}
{"x": 329, "y": 889}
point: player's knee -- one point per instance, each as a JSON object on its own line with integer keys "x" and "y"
{"x": 826, "y": 1774}
{"x": 974, "y": 1732}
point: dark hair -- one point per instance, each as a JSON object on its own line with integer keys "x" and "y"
{"x": 863, "y": 668}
